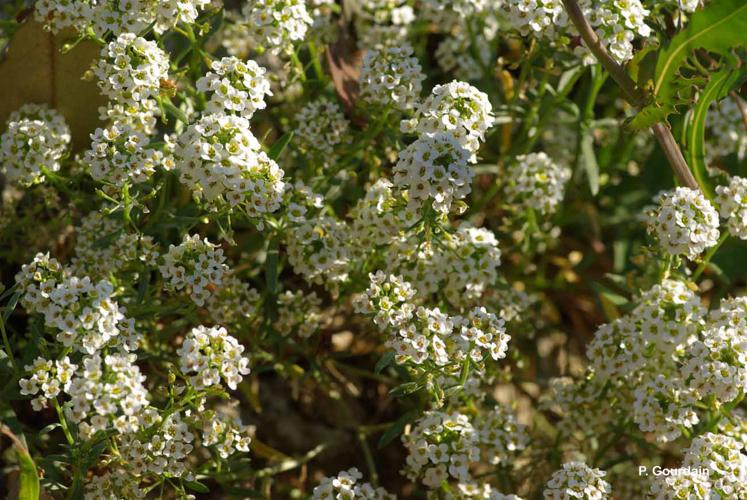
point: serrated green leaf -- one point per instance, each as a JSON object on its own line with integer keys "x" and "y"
{"x": 719, "y": 28}
{"x": 648, "y": 116}
{"x": 718, "y": 87}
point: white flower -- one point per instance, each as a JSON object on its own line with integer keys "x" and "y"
{"x": 321, "y": 126}
{"x": 131, "y": 69}
{"x": 277, "y": 24}
{"x": 209, "y": 354}
{"x": 391, "y": 77}
{"x": 221, "y": 161}
{"x": 456, "y": 108}
{"x": 577, "y": 480}
{"x": 732, "y": 206}
{"x": 535, "y": 181}
{"x": 684, "y": 222}
{"x": 434, "y": 170}
{"x": 193, "y": 265}
{"x": 36, "y": 137}
{"x": 235, "y": 86}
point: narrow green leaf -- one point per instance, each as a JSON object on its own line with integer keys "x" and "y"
{"x": 174, "y": 111}
{"x": 196, "y": 486}
{"x": 718, "y": 87}
{"x": 280, "y": 145}
{"x": 28, "y": 488}
{"x": 588, "y": 159}
{"x": 406, "y": 388}
{"x": 385, "y": 361}
{"x": 396, "y": 428}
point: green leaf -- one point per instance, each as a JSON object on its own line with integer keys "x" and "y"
{"x": 396, "y": 428}
{"x": 588, "y": 159}
{"x": 385, "y": 361}
{"x": 719, "y": 28}
{"x": 196, "y": 486}
{"x": 718, "y": 87}
{"x": 174, "y": 111}
{"x": 280, "y": 145}
{"x": 28, "y": 488}
{"x": 406, "y": 388}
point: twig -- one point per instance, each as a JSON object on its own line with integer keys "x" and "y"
{"x": 631, "y": 92}
{"x": 742, "y": 107}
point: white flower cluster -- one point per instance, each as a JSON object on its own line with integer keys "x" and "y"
{"x": 577, "y": 480}
{"x": 616, "y": 22}
{"x": 116, "y": 16}
{"x": 501, "y": 435}
{"x": 209, "y": 354}
{"x": 48, "y": 377}
{"x": 716, "y": 366}
{"x": 732, "y": 206}
{"x": 462, "y": 57}
{"x": 420, "y": 334}
{"x": 448, "y": 15}
{"x": 321, "y": 126}
{"x": 112, "y": 395}
{"x": 637, "y": 353}
{"x": 461, "y": 269}
{"x": 434, "y": 170}
{"x": 722, "y": 457}
{"x": 102, "y": 249}
{"x": 85, "y": 313}
{"x": 391, "y": 77}
{"x": 119, "y": 153}
{"x": 684, "y": 222}
{"x": 299, "y": 313}
{"x": 375, "y": 218}
{"x": 237, "y": 87}
{"x": 346, "y": 485}
{"x": 441, "y": 446}
{"x": 664, "y": 405}
{"x": 222, "y": 161}
{"x": 194, "y": 265}
{"x": 107, "y": 389}
{"x": 227, "y": 434}
{"x": 233, "y": 302}
{"x": 726, "y": 131}
{"x": 537, "y": 17}
{"x": 277, "y": 25}
{"x": 164, "y": 452}
{"x": 456, "y": 108}
{"x": 318, "y": 250}
{"x": 382, "y": 23}
{"x": 130, "y": 69}
{"x": 36, "y": 138}
{"x": 536, "y": 182}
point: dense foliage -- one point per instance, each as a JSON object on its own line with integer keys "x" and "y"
{"x": 373, "y": 249}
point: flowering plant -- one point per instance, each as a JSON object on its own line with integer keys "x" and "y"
{"x": 370, "y": 249}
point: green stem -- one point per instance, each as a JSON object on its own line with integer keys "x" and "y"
{"x": 370, "y": 463}
{"x": 299, "y": 67}
{"x": 708, "y": 256}
{"x": 6, "y": 343}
